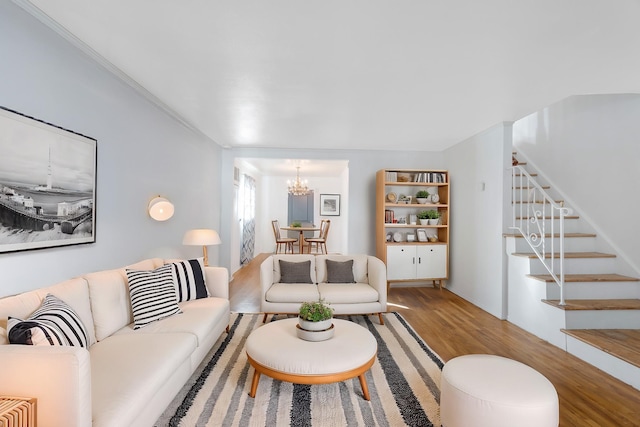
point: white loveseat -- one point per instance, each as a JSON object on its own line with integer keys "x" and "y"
{"x": 126, "y": 377}
{"x": 368, "y": 295}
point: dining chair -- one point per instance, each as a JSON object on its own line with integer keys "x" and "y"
{"x": 320, "y": 242}
{"x": 286, "y": 241}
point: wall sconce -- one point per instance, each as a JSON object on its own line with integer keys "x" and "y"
{"x": 202, "y": 237}
{"x": 160, "y": 209}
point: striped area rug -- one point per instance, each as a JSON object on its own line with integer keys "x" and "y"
{"x": 403, "y": 384}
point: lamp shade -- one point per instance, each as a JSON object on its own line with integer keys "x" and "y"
{"x": 160, "y": 209}
{"x": 201, "y": 237}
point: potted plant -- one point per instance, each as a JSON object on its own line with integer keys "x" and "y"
{"x": 422, "y": 197}
{"x": 433, "y": 216}
{"x": 314, "y": 321}
{"x": 296, "y": 224}
{"x": 423, "y": 216}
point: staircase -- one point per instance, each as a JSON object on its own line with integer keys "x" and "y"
{"x": 597, "y": 316}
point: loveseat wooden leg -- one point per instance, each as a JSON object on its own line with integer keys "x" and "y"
{"x": 381, "y": 319}
{"x": 264, "y": 319}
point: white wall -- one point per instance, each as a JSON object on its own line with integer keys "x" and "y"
{"x": 588, "y": 149}
{"x": 359, "y": 208}
{"x": 477, "y": 168}
{"x": 142, "y": 152}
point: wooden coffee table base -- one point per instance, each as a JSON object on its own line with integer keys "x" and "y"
{"x": 311, "y": 379}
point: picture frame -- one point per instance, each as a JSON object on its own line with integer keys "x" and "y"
{"x": 422, "y": 235}
{"x": 329, "y": 204}
{"x": 47, "y": 184}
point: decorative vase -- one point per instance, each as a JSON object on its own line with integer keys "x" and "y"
{"x": 314, "y": 331}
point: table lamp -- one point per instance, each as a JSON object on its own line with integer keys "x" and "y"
{"x": 202, "y": 237}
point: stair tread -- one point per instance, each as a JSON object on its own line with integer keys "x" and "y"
{"x": 560, "y": 202}
{"x": 555, "y": 235}
{"x": 608, "y": 277}
{"x": 596, "y": 304}
{"x": 621, "y": 343}
{"x": 545, "y": 187}
{"x": 548, "y": 217}
{"x": 531, "y": 174}
{"x": 567, "y": 255}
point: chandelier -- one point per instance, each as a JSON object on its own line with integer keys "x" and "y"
{"x": 298, "y": 187}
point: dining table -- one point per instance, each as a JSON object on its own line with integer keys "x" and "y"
{"x": 301, "y": 229}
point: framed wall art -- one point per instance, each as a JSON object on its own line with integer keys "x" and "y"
{"x": 330, "y": 204}
{"x": 47, "y": 184}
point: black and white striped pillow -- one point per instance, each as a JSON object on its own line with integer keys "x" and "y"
{"x": 54, "y": 323}
{"x": 153, "y": 296}
{"x": 188, "y": 278}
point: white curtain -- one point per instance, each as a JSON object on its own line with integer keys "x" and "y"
{"x": 247, "y": 215}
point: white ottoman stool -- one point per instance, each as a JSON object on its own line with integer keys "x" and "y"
{"x": 483, "y": 390}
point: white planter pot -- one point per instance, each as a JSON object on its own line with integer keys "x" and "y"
{"x": 315, "y": 331}
{"x": 423, "y": 201}
{"x": 434, "y": 221}
{"x": 424, "y": 222}
{"x": 315, "y": 336}
{"x": 315, "y": 326}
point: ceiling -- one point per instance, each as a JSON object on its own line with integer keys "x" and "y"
{"x": 358, "y": 74}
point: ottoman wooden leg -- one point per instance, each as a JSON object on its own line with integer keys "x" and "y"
{"x": 365, "y": 388}
{"x": 254, "y": 383}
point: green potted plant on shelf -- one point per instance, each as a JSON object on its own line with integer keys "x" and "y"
{"x": 423, "y": 217}
{"x": 315, "y": 321}
{"x": 433, "y": 216}
{"x": 422, "y": 197}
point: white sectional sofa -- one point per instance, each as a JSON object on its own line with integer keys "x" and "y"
{"x": 126, "y": 377}
{"x": 366, "y": 294}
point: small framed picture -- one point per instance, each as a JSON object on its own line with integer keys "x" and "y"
{"x": 422, "y": 235}
{"x": 330, "y": 204}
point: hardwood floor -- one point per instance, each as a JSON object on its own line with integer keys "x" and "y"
{"x": 453, "y": 327}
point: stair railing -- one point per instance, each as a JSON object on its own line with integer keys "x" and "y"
{"x": 530, "y": 220}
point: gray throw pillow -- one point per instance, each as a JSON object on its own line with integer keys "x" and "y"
{"x": 295, "y": 272}
{"x": 340, "y": 272}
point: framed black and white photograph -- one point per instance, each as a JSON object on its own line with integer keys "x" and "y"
{"x": 422, "y": 235}
{"x": 330, "y": 204}
{"x": 47, "y": 184}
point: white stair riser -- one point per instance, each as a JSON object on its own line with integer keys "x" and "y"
{"x": 618, "y": 368}
{"x": 602, "y": 319}
{"x": 578, "y": 266}
{"x": 570, "y": 226}
{"x": 571, "y": 244}
{"x": 594, "y": 290}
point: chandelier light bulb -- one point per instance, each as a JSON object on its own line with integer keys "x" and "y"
{"x": 298, "y": 187}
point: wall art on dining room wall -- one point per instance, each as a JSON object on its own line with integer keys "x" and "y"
{"x": 330, "y": 204}
{"x": 47, "y": 184}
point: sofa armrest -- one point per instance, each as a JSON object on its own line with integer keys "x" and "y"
{"x": 59, "y": 377}
{"x": 217, "y": 279}
{"x": 266, "y": 276}
{"x": 377, "y": 272}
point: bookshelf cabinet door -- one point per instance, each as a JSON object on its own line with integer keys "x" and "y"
{"x": 431, "y": 261}
{"x": 401, "y": 262}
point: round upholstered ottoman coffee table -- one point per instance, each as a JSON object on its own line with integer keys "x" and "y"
{"x": 275, "y": 350}
{"x": 483, "y": 390}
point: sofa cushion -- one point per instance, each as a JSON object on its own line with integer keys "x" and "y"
{"x": 292, "y": 292}
{"x": 54, "y": 323}
{"x": 340, "y": 271}
{"x": 153, "y": 296}
{"x": 295, "y": 272}
{"x": 360, "y": 266}
{"x": 110, "y": 302}
{"x": 198, "y": 317}
{"x": 74, "y": 292}
{"x": 189, "y": 280}
{"x": 343, "y": 293}
{"x": 128, "y": 370}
